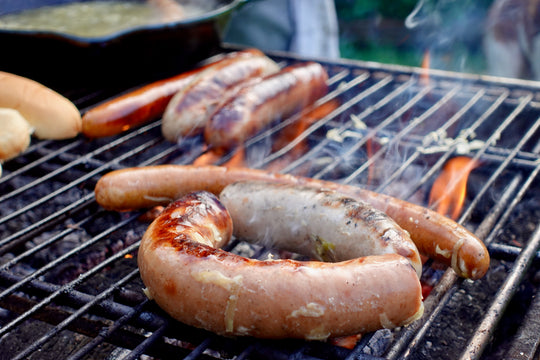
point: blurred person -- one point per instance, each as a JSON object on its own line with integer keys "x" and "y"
{"x": 512, "y": 39}
{"x": 304, "y": 27}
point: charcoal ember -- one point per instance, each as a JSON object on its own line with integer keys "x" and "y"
{"x": 40, "y": 190}
{"x": 449, "y": 335}
{"x": 57, "y": 248}
{"x": 379, "y": 342}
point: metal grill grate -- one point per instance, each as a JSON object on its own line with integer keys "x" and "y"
{"x": 69, "y": 283}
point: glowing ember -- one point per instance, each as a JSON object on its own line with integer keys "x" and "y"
{"x": 292, "y": 131}
{"x": 449, "y": 189}
{"x": 424, "y": 76}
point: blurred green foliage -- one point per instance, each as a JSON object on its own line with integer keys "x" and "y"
{"x": 354, "y": 9}
{"x": 452, "y": 31}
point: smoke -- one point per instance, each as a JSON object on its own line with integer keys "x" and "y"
{"x": 452, "y": 31}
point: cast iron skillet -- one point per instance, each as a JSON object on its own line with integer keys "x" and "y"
{"x": 129, "y": 57}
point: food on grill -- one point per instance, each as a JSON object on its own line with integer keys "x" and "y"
{"x": 256, "y": 105}
{"x": 199, "y": 284}
{"x": 322, "y": 224}
{"x": 435, "y": 235}
{"x": 15, "y": 134}
{"x": 101, "y": 17}
{"x": 144, "y": 104}
{"x": 51, "y": 115}
{"x": 188, "y": 111}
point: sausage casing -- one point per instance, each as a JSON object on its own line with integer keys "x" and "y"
{"x": 210, "y": 288}
{"x": 257, "y": 105}
{"x": 321, "y": 224}
{"x": 190, "y": 108}
{"x": 144, "y": 104}
{"x": 435, "y": 235}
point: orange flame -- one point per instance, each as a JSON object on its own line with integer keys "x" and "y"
{"x": 284, "y": 137}
{"x": 424, "y": 76}
{"x": 208, "y": 157}
{"x": 292, "y": 131}
{"x": 449, "y": 189}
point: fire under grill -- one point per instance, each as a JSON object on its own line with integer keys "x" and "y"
{"x": 69, "y": 283}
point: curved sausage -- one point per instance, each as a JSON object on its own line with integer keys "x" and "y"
{"x": 188, "y": 111}
{"x": 144, "y": 104}
{"x": 203, "y": 286}
{"x": 257, "y": 105}
{"x": 435, "y": 235}
{"x": 318, "y": 223}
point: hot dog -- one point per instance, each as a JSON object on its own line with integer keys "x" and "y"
{"x": 255, "y": 106}
{"x": 51, "y": 115}
{"x": 321, "y": 224}
{"x": 435, "y": 235}
{"x": 190, "y": 108}
{"x": 145, "y": 104}
{"x": 203, "y": 286}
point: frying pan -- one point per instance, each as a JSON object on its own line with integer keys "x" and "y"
{"x": 128, "y": 57}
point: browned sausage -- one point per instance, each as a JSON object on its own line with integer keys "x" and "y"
{"x": 435, "y": 235}
{"x": 145, "y": 104}
{"x": 255, "y": 106}
{"x": 319, "y": 223}
{"x": 188, "y": 111}
{"x": 203, "y": 286}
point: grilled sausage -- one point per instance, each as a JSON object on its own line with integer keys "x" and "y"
{"x": 321, "y": 224}
{"x": 435, "y": 235}
{"x": 190, "y": 108}
{"x": 257, "y": 105}
{"x": 145, "y": 104}
{"x": 203, "y": 286}
{"x": 51, "y": 115}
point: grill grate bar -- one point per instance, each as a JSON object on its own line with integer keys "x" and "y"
{"x": 363, "y": 93}
{"x": 467, "y": 133}
{"x": 51, "y": 265}
{"x": 412, "y": 336}
{"x": 396, "y": 115}
{"x": 346, "y": 106}
{"x": 487, "y": 326}
{"x": 74, "y": 183}
{"x": 43, "y": 245}
{"x": 331, "y": 95}
{"x": 21, "y": 236}
{"x": 527, "y": 342}
{"x": 104, "y": 335}
{"x": 419, "y": 151}
{"x": 64, "y": 324}
{"x": 506, "y": 162}
{"x": 43, "y": 159}
{"x": 396, "y": 139}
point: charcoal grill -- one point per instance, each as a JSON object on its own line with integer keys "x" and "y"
{"x": 69, "y": 284}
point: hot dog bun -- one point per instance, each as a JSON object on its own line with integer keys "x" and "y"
{"x": 14, "y": 133}
{"x": 50, "y": 114}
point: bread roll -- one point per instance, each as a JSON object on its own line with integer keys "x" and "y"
{"x": 50, "y": 114}
{"x": 15, "y": 133}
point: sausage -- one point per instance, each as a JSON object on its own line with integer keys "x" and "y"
{"x": 257, "y": 105}
{"x": 15, "y": 134}
{"x": 188, "y": 111}
{"x": 145, "y": 104}
{"x": 51, "y": 115}
{"x": 318, "y": 223}
{"x": 435, "y": 235}
{"x": 197, "y": 283}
